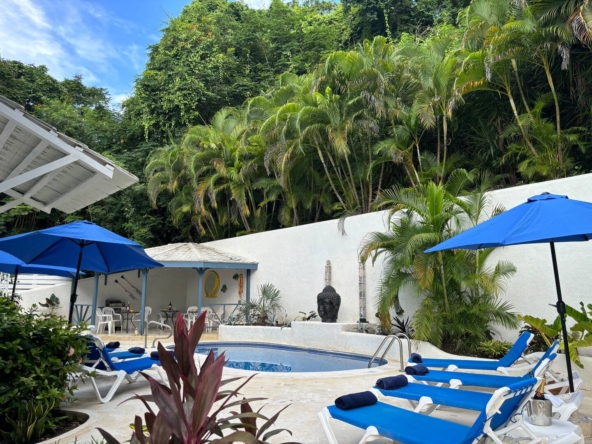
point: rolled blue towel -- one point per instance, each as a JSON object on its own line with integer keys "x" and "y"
{"x": 416, "y": 357}
{"x": 418, "y": 370}
{"x": 113, "y": 345}
{"x": 154, "y": 354}
{"x": 138, "y": 350}
{"x": 355, "y": 400}
{"x": 392, "y": 382}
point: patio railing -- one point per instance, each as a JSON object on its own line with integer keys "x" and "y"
{"x": 82, "y": 313}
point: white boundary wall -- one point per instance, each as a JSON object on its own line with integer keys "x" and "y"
{"x": 293, "y": 259}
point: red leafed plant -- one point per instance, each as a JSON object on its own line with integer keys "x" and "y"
{"x": 186, "y": 408}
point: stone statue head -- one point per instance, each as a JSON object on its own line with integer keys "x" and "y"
{"x": 328, "y": 302}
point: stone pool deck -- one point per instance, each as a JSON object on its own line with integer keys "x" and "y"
{"x": 305, "y": 394}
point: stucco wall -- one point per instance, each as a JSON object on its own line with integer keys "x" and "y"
{"x": 293, "y": 259}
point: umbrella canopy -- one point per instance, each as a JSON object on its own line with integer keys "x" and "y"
{"x": 546, "y": 218}
{"x": 13, "y": 265}
{"x": 80, "y": 245}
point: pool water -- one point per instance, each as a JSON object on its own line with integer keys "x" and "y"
{"x": 262, "y": 357}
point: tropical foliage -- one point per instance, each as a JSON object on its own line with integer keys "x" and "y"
{"x": 193, "y": 408}
{"x": 247, "y": 120}
{"x": 264, "y": 309}
{"x": 459, "y": 290}
{"x": 579, "y": 336}
{"x": 38, "y": 351}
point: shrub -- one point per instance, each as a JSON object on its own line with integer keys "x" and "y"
{"x": 37, "y": 351}
{"x": 494, "y": 349}
{"x": 186, "y": 412}
{"x": 262, "y": 310}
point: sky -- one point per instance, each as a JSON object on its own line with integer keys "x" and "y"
{"x": 104, "y": 40}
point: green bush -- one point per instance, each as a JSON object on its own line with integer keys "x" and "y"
{"x": 37, "y": 352}
{"x": 494, "y": 349}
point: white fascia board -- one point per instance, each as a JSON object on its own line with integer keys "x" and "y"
{"x": 52, "y": 137}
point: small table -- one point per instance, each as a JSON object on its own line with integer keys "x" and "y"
{"x": 170, "y": 314}
{"x": 127, "y": 317}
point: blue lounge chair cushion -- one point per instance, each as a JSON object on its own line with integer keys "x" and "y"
{"x": 476, "y": 364}
{"x": 462, "y": 399}
{"x": 392, "y": 382}
{"x": 403, "y": 425}
{"x": 355, "y": 400}
{"x": 462, "y": 363}
{"x": 418, "y": 369}
{"x": 137, "y": 350}
{"x": 134, "y": 365}
{"x": 469, "y": 379}
{"x": 489, "y": 381}
{"x": 113, "y": 345}
{"x": 122, "y": 355}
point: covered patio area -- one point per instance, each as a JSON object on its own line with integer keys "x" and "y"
{"x": 195, "y": 277}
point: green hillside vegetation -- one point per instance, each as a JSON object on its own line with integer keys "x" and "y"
{"x": 248, "y": 120}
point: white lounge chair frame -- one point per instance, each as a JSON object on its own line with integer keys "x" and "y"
{"x": 119, "y": 375}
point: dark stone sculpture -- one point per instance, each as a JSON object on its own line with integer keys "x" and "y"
{"x": 328, "y": 302}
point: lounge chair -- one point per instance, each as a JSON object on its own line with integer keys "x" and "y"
{"x": 106, "y": 365}
{"x": 555, "y": 383}
{"x": 511, "y": 357}
{"x": 426, "y": 398}
{"x": 407, "y": 427}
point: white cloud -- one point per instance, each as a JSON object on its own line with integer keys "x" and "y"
{"x": 69, "y": 37}
{"x": 118, "y": 99}
{"x": 257, "y": 4}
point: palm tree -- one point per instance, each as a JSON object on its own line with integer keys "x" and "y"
{"x": 459, "y": 292}
{"x": 576, "y": 14}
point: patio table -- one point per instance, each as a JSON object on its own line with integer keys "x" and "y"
{"x": 126, "y": 317}
{"x": 170, "y": 314}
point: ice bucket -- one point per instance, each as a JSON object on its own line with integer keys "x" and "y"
{"x": 539, "y": 412}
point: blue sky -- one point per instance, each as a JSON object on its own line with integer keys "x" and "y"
{"x": 104, "y": 40}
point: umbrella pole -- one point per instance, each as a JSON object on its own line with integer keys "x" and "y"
{"x": 73, "y": 296}
{"x": 561, "y": 310}
{"x": 14, "y": 283}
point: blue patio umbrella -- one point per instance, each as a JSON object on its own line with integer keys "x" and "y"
{"x": 13, "y": 265}
{"x": 546, "y": 218}
{"x": 80, "y": 245}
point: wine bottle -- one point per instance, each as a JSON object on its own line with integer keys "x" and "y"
{"x": 540, "y": 393}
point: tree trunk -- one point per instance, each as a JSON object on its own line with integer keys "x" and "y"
{"x": 329, "y": 176}
{"x": 547, "y": 68}
{"x": 517, "y": 117}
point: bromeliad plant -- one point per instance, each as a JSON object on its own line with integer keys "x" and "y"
{"x": 193, "y": 409}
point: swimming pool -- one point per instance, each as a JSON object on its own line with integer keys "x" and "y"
{"x": 263, "y": 357}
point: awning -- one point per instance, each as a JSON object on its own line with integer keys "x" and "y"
{"x": 45, "y": 169}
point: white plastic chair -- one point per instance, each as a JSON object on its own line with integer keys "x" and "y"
{"x": 105, "y": 320}
{"x": 162, "y": 318}
{"x": 138, "y": 316}
{"x": 115, "y": 316}
{"x": 190, "y": 316}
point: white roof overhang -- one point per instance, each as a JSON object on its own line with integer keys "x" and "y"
{"x": 45, "y": 169}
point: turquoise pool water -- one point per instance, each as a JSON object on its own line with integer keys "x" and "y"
{"x": 263, "y": 357}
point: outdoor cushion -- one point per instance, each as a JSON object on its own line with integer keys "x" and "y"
{"x": 403, "y": 425}
{"x": 462, "y": 399}
{"x": 477, "y": 364}
{"x": 134, "y": 365}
